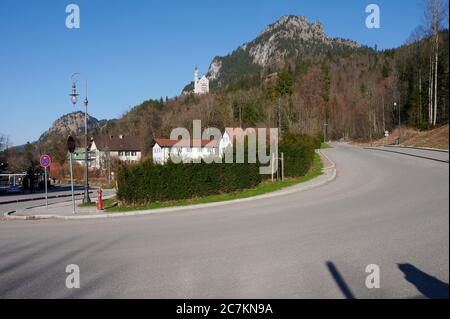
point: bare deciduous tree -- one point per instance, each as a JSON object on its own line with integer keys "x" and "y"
{"x": 436, "y": 12}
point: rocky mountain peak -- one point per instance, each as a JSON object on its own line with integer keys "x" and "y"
{"x": 278, "y": 45}
{"x": 295, "y": 24}
{"x": 68, "y": 123}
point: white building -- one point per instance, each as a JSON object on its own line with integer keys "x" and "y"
{"x": 185, "y": 149}
{"x": 126, "y": 149}
{"x": 195, "y": 149}
{"x": 201, "y": 86}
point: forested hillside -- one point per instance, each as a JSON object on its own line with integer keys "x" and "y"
{"x": 353, "y": 91}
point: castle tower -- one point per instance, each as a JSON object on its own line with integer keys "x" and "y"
{"x": 195, "y": 76}
{"x": 201, "y": 86}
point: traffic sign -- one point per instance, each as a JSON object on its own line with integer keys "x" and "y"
{"x": 71, "y": 144}
{"x": 45, "y": 161}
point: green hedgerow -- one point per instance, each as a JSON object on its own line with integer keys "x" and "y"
{"x": 149, "y": 182}
{"x": 298, "y": 152}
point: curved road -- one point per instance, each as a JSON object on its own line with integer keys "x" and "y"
{"x": 384, "y": 208}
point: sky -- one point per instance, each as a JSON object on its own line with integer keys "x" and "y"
{"x": 134, "y": 50}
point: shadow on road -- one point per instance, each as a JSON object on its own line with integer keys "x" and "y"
{"x": 340, "y": 281}
{"x": 428, "y": 286}
{"x": 37, "y": 270}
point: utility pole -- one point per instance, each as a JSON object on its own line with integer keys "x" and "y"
{"x": 71, "y": 184}
{"x": 240, "y": 115}
{"x": 272, "y": 166}
{"x": 279, "y": 116}
{"x": 399, "y": 121}
{"x": 109, "y": 167}
{"x": 71, "y": 149}
{"x": 384, "y": 119}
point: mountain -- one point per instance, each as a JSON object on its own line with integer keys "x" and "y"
{"x": 278, "y": 46}
{"x": 72, "y": 123}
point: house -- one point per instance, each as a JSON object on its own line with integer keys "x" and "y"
{"x": 127, "y": 149}
{"x": 229, "y": 135}
{"x": 103, "y": 148}
{"x": 185, "y": 149}
{"x": 195, "y": 149}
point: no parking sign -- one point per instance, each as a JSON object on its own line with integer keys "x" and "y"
{"x": 45, "y": 161}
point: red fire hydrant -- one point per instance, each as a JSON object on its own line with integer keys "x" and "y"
{"x": 99, "y": 199}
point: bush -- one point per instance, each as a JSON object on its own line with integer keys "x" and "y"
{"x": 319, "y": 139}
{"x": 299, "y": 150}
{"x": 149, "y": 182}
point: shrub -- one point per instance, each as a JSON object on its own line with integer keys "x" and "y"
{"x": 298, "y": 152}
{"x": 149, "y": 182}
{"x": 320, "y": 138}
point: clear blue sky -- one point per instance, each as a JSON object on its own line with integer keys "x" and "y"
{"x": 134, "y": 50}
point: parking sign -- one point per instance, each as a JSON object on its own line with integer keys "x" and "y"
{"x": 45, "y": 161}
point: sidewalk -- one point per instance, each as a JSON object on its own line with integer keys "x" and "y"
{"x": 64, "y": 210}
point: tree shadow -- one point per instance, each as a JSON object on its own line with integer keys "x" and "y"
{"x": 427, "y": 285}
{"x": 345, "y": 289}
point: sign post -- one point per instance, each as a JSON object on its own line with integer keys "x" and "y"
{"x": 45, "y": 162}
{"x": 71, "y": 149}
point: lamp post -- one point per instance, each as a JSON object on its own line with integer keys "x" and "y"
{"x": 399, "y": 121}
{"x": 74, "y": 98}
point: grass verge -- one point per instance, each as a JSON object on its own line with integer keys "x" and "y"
{"x": 325, "y": 146}
{"x": 263, "y": 188}
{"x": 106, "y": 203}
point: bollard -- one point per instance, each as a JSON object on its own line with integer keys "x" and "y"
{"x": 99, "y": 199}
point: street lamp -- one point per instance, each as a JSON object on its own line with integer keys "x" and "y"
{"x": 399, "y": 121}
{"x": 74, "y": 98}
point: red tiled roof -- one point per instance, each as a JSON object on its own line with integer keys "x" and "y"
{"x": 163, "y": 142}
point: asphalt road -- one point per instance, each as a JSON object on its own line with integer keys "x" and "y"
{"x": 384, "y": 208}
{"x": 53, "y": 191}
{"x": 25, "y": 205}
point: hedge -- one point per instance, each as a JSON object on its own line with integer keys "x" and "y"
{"x": 149, "y": 182}
{"x": 298, "y": 152}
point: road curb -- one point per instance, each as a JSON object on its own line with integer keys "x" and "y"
{"x": 287, "y": 191}
{"x": 406, "y": 154}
